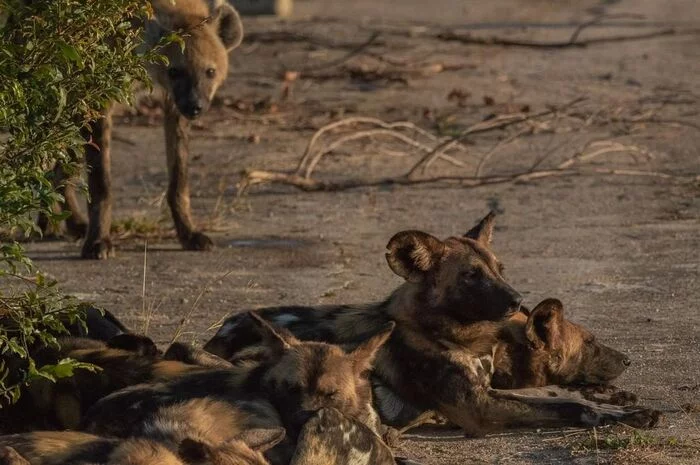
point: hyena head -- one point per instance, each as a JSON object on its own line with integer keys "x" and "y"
{"x": 210, "y": 29}
{"x": 459, "y": 277}
{"x": 305, "y": 377}
{"x": 566, "y": 353}
{"x": 246, "y": 448}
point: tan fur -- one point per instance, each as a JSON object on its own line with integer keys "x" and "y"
{"x": 210, "y": 29}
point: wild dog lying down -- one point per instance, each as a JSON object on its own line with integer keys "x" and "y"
{"x": 73, "y": 448}
{"x": 455, "y": 281}
{"x": 61, "y": 404}
{"x": 453, "y": 368}
{"x": 210, "y": 29}
{"x": 288, "y": 387}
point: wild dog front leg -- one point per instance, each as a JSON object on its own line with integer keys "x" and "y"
{"x": 572, "y": 407}
{"x": 177, "y": 129}
{"x": 330, "y": 438}
{"x": 98, "y": 244}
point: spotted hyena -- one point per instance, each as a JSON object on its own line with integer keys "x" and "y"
{"x": 211, "y": 29}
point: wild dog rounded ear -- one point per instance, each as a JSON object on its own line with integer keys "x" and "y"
{"x": 262, "y": 439}
{"x": 483, "y": 232}
{"x": 364, "y": 355}
{"x": 278, "y": 339}
{"x": 229, "y": 25}
{"x": 544, "y": 325}
{"x": 192, "y": 451}
{"x": 414, "y": 253}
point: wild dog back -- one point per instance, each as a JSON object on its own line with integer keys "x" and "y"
{"x": 451, "y": 282}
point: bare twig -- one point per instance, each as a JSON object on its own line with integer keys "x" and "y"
{"x": 499, "y": 41}
{"x": 333, "y": 63}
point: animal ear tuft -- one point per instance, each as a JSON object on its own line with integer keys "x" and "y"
{"x": 364, "y": 355}
{"x": 276, "y": 338}
{"x": 412, "y": 254}
{"x": 483, "y": 231}
{"x": 229, "y": 25}
{"x": 262, "y": 439}
{"x": 544, "y": 325}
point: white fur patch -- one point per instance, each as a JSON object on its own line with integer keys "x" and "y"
{"x": 285, "y": 319}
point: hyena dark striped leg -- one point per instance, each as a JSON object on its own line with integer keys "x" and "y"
{"x": 177, "y": 133}
{"x": 97, "y": 157}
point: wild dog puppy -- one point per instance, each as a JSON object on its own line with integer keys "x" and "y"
{"x": 286, "y": 387}
{"x": 60, "y": 405}
{"x": 211, "y": 29}
{"x": 73, "y": 448}
{"x": 329, "y": 437}
{"x": 452, "y": 282}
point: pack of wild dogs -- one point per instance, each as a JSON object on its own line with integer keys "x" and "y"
{"x": 451, "y": 346}
{"x": 336, "y": 385}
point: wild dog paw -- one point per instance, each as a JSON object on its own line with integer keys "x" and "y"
{"x": 100, "y": 249}
{"x": 198, "y": 241}
{"x": 624, "y": 398}
{"x": 643, "y": 418}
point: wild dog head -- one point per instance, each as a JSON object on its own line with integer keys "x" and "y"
{"x": 459, "y": 277}
{"x": 210, "y": 29}
{"x": 305, "y": 377}
{"x": 563, "y": 352}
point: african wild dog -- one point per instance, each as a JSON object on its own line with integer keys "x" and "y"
{"x": 286, "y": 388}
{"x": 210, "y": 28}
{"x": 452, "y": 282}
{"x": 430, "y": 362}
{"x": 60, "y": 405}
{"x": 73, "y": 448}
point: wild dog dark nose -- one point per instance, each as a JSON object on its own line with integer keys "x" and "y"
{"x": 196, "y": 109}
{"x": 515, "y": 300}
{"x": 626, "y": 362}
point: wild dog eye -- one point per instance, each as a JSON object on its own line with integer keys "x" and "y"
{"x": 469, "y": 274}
{"x": 331, "y": 395}
{"x": 211, "y": 72}
{"x": 174, "y": 73}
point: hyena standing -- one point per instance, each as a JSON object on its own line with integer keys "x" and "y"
{"x": 211, "y": 28}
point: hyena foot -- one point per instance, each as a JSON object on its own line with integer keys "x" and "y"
{"x": 197, "y": 241}
{"x": 101, "y": 249}
{"x": 330, "y": 438}
{"x": 9, "y": 456}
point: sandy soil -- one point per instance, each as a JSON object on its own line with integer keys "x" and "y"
{"x": 622, "y": 252}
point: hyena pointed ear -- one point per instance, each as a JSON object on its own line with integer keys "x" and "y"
{"x": 262, "y": 439}
{"x": 229, "y": 25}
{"x": 192, "y": 451}
{"x": 414, "y": 253}
{"x": 364, "y": 355}
{"x": 544, "y": 325}
{"x": 483, "y": 232}
{"x": 278, "y": 339}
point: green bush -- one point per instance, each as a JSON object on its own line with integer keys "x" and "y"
{"x": 61, "y": 62}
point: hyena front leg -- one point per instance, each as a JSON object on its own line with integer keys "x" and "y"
{"x": 76, "y": 223}
{"x": 331, "y": 438}
{"x": 177, "y": 129}
{"x": 98, "y": 244}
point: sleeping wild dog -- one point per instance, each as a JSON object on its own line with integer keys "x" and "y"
{"x": 75, "y": 448}
{"x": 210, "y": 29}
{"x": 288, "y": 388}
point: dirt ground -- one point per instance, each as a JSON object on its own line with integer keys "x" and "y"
{"x": 622, "y": 251}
